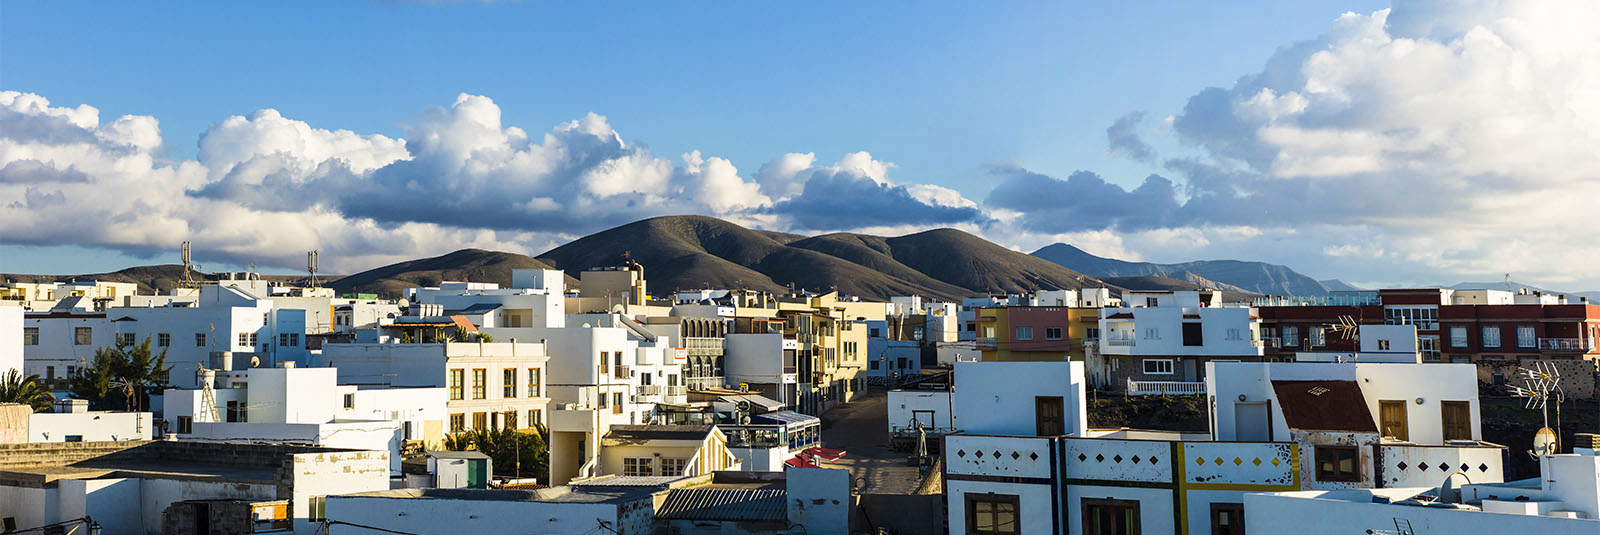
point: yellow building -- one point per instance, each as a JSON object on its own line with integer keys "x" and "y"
{"x": 665, "y": 450}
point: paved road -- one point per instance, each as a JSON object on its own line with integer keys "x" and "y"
{"x": 861, "y": 428}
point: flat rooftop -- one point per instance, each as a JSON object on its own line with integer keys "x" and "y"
{"x": 562, "y": 494}
{"x": 39, "y": 464}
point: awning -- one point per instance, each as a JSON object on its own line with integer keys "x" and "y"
{"x": 756, "y": 400}
{"x": 825, "y": 454}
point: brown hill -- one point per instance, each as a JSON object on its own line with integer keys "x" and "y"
{"x": 160, "y": 278}
{"x": 474, "y": 265}
{"x": 681, "y": 252}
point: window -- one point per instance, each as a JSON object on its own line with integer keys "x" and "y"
{"x": 533, "y": 417}
{"x": 163, "y": 339}
{"x": 1491, "y": 337}
{"x": 1227, "y": 518}
{"x": 1456, "y": 420}
{"x": 1158, "y": 366}
{"x": 509, "y": 383}
{"x": 1428, "y": 346}
{"x": 82, "y": 336}
{"x": 30, "y": 336}
{"x": 673, "y": 466}
{"x": 873, "y": 332}
{"x": 233, "y": 411}
{"x": 127, "y": 339}
{"x": 1291, "y": 336}
{"x": 457, "y": 379}
{"x": 185, "y": 424}
{"x": 244, "y": 339}
{"x": 288, "y": 339}
{"x": 993, "y": 514}
{"x": 510, "y": 419}
{"x": 638, "y": 466}
{"x": 1458, "y": 337}
{"x": 605, "y": 363}
{"x": 1052, "y": 333}
{"x": 479, "y": 377}
{"x": 1151, "y": 302}
{"x": 1235, "y": 334}
{"x": 616, "y": 403}
{"x": 1383, "y": 344}
{"x": 1392, "y": 416}
{"x": 1337, "y": 463}
{"x": 1092, "y": 333}
{"x": 1426, "y": 318}
{"x": 1192, "y": 335}
{"x": 873, "y": 365}
{"x": 458, "y": 423}
{"x": 480, "y": 420}
{"x": 605, "y": 400}
{"x": 199, "y": 339}
{"x": 1024, "y": 333}
{"x": 1526, "y": 336}
{"x": 903, "y": 364}
{"x": 1152, "y": 333}
{"x": 533, "y": 382}
{"x": 349, "y": 401}
{"x": 1319, "y": 336}
{"x": 1110, "y": 517}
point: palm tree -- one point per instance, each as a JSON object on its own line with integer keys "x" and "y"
{"x": 516, "y": 452}
{"x": 121, "y": 375}
{"x": 15, "y": 388}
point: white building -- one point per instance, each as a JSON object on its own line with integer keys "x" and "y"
{"x": 226, "y": 328}
{"x": 1168, "y": 336}
{"x": 72, "y": 421}
{"x": 765, "y": 363}
{"x": 307, "y": 406}
{"x": 489, "y": 385}
{"x": 11, "y": 339}
{"x": 1564, "y": 500}
{"x": 559, "y": 510}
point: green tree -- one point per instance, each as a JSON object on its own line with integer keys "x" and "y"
{"x": 16, "y": 388}
{"x": 122, "y": 375}
{"x": 513, "y": 452}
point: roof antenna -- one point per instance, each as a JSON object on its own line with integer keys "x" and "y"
{"x": 311, "y": 266}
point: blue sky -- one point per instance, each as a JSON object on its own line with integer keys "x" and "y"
{"x": 946, "y": 91}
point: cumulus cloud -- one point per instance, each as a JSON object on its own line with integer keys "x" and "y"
{"x": 1437, "y": 135}
{"x": 264, "y": 187}
{"x": 1123, "y": 138}
{"x": 855, "y": 192}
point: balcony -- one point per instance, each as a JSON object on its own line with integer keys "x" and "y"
{"x": 1576, "y": 345}
{"x": 571, "y": 417}
{"x": 621, "y": 371}
{"x": 1120, "y": 342}
{"x": 1166, "y": 388}
{"x": 677, "y": 390}
{"x": 703, "y": 383}
{"x": 649, "y": 390}
{"x": 985, "y": 344}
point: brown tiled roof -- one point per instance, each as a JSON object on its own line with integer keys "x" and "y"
{"x": 1324, "y": 406}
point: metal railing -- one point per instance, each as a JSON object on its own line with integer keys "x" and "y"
{"x": 649, "y": 390}
{"x": 985, "y": 343}
{"x": 677, "y": 390}
{"x": 1120, "y": 342}
{"x": 906, "y": 431}
{"x": 702, "y": 383}
{"x": 1564, "y": 344}
{"x": 1165, "y": 388}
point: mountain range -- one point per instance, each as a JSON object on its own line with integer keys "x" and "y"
{"x": 1255, "y": 277}
{"x": 685, "y": 252}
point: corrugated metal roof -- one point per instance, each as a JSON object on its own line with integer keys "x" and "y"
{"x": 1324, "y": 406}
{"x": 783, "y": 417}
{"x": 725, "y": 504}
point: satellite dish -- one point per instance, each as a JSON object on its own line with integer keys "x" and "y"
{"x": 255, "y": 361}
{"x": 1544, "y": 442}
{"x": 1450, "y": 490}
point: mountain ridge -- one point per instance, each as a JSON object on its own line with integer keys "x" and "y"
{"x": 1248, "y": 276}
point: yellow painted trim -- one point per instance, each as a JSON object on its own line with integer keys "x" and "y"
{"x": 1294, "y": 463}
{"x": 1179, "y": 486}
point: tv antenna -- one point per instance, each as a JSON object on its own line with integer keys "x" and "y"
{"x": 311, "y": 266}
{"x": 1543, "y": 383}
{"x": 189, "y": 267}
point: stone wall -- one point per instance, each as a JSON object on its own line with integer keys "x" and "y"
{"x": 1577, "y": 376}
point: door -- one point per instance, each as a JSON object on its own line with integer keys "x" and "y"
{"x": 1110, "y": 517}
{"x": 477, "y": 474}
{"x": 1252, "y": 422}
{"x": 1227, "y": 518}
{"x": 1393, "y": 416}
{"x": 1047, "y": 414}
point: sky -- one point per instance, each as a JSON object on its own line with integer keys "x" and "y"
{"x": 1421, "y": 142}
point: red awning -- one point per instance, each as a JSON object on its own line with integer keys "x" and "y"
{"x": 826, "y": 454}
{"x": 801, "y": 462}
